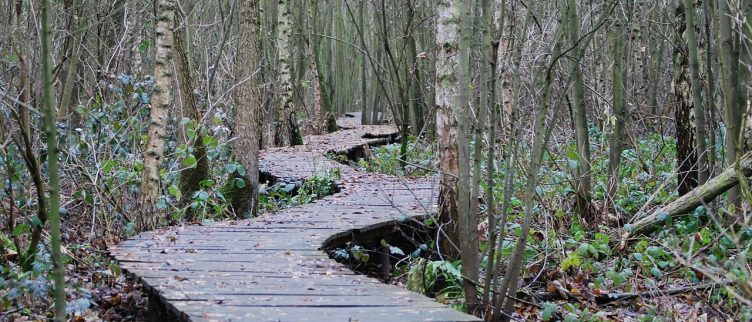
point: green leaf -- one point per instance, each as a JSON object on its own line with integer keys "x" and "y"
{"x": 190, "y": 161}
{"x": 549, "y": 309}
{"x": 699, "y": 212}
{"x": 206, "y": 183}
{"x": 210, "y": 141}
{"x": 239, "y": 183}
{"x": 36, "y": 222}
{"x": 241, "y": 170}
{"x": 662, "y": 216}
{"x": 201, "y": 195}
{"x": 230, "y": 168}
{"x": 637, "y": 256}
{"x": 573, "y": 260}
{"x": 20, "y": 229}
{"x": 174, "y": 191}
{"x": 89, "y": 199}
{"x": 705, "y": 235}
{"x": 109, "y": 165}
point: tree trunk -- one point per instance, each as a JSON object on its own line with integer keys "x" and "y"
{"x": 582, "y": 181}
{"x": 617, "y": 37}
{"x": 686, "y": 158}
{"x": 288, "y": 132}
{"x": 447, "y": 87}
{"x": 190, "y": 177}
{"x": 467, "y": 213}
{"x": 365, "y": 116}
{"x": 157, "y": 132}
{"x": 247, "y": 102}
{"x": 729, "y": 57}
{"x": 319, "y": 96}
{"x": 52, "y": 163}
{"x": 699, "y": 109}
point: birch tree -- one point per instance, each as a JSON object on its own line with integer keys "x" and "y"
{"x": 288, "y": 132}
{"x": 160, "y": 105}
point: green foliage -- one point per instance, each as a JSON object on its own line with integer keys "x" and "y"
{"x": 289, "y": 194}
{"x": 441, "y": 279}
{"x": 420, "y": 159}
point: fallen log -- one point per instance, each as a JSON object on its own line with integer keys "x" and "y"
{"x": 693, "y": 199}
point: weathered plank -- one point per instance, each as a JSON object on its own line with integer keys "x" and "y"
{"x": 271, "y": 268}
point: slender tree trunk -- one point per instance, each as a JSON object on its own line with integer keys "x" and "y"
{"x": 710, "y": 90}
{"x": 489, "y": 60}
{"x": 468, "y": 218}
{"x": 71, "y": 76}
{"x": 729, "y": 57}
{"x": 699, "y": 108}
{"x": 26, "y": 134}
{"x": 319, "y": 99}
{"x": 157, "y": 132}
{"x": 365, "y": 117}
{"x": 190, "y": 177}
{"x": 288, "y": 132}
{"x": 583, "y": 180}
{"x": 617, "y": 37}
{"x": 686, "y": 157}
{"x": 52, "y": 163}
{"x": 327, "y": 117}
{"x": 247, "y": 103}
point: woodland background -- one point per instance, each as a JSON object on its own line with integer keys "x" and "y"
{"x": 593, "y": 154}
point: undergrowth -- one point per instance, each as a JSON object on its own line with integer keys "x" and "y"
{"x": 420, "y": 159}
{"x": 571, "y": 255}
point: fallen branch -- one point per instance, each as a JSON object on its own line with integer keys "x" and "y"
{"x": 693, "y": 199}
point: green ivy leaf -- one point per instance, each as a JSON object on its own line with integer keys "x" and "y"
{"x": 549, "y": 309}
{"x": 190, "y": 161}
{"x": 174, "y": 191}
{"x": 239, "y": 183}
{"x": 109, "y": 165}
{"x": 36, "y": 222}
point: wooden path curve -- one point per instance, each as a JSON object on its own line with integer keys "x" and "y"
{"x": 272, "y": 268}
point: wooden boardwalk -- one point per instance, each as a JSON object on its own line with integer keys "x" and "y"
{"x": 272, "y": 268}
